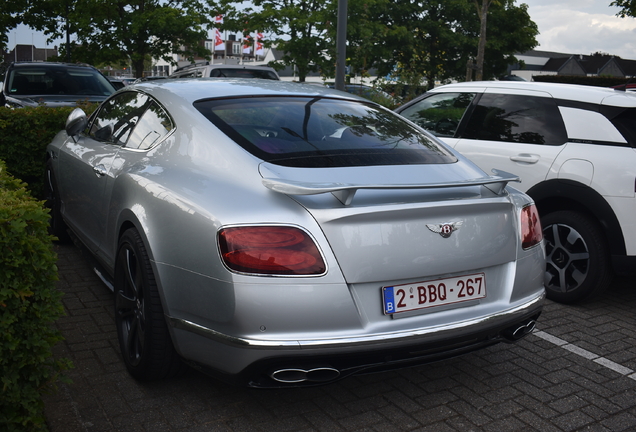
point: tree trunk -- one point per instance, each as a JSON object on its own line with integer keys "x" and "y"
{"x": 138, "y": 68}
{"x": 481, "y": 48}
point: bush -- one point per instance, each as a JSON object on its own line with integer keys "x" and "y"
{"x": 29, "y": 304}
{"x": 24, "y": 135}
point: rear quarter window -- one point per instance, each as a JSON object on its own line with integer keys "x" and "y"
{"x": 624, "y": 119}
{"x": 517, "y": 119}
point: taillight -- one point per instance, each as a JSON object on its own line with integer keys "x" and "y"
{"x": 531, "y": 233}
{"x": 270, "y": 250}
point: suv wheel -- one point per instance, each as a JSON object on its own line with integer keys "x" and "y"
{"x": 577, "y": 255}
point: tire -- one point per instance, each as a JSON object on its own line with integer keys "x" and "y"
{"x": 578, "y": 261}
{"x": 57, "y": 227}
{"x": 144, "y": 340}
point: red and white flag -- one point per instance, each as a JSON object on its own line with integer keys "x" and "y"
{"x": 247, "y": 44}
{"x": 218, "y": 41}
{"x": 218, "y": 19}
{"x": 259, "y": 44}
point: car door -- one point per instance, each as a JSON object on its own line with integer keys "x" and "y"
{"x": 518, "y": 133}
{"x": 88, "y": 162}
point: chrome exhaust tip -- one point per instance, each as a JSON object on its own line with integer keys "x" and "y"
{"x": 517, "y": 332}
{"x": 295, "y": 375}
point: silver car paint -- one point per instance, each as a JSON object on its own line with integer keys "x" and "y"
{"x": 211, "y": 182}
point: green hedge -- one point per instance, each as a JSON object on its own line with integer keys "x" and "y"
{"x": 24, "y": 135}
{"x": 29, "y": 304}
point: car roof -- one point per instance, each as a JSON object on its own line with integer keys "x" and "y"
{"x": 222, "y": 66}
{"x": 50, "y": 64}
{"x": 194, "y": 89}
{"x": 574, "y": 92}
{"x": 237, "y": 66}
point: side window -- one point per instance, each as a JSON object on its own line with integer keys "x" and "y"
{"x": 151, "y": 128}
{"x": 440, "y": 113}
{"x": 625, "y": 121}
{"x": 117, "y": 117}
{"x": 516, "y": 118}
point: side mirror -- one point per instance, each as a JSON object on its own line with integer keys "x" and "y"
{"x": 3, "y": 99}
{"x": 76, "y": 122}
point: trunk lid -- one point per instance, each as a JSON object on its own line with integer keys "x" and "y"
{"x": 389, "y": 225}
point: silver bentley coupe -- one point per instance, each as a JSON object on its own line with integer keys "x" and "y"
{"x": 277, "y": 234}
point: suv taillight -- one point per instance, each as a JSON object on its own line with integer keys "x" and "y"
{"x": 270, "y": 250}
{"x": 531, "y": 233}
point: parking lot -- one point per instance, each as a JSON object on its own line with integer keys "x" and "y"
{"x": 576, "y": 372}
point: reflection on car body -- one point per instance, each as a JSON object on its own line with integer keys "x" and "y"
{"x": 276, "y": 234}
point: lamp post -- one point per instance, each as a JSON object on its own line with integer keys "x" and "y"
{"x": 341, "y": 44}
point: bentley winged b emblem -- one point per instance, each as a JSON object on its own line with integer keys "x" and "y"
{"x": 445, "y": 229}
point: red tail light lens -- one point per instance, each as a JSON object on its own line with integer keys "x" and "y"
{"x": 531, "y": 233}
{"x": 270, "y": 250}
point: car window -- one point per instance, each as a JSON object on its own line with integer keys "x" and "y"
{"x": 117, "y": 117}
{"x": 322, "y": 132}
{"x": 55, "y": 80}
{"x": 440, "y": 113}
{"x": 516, "y": 118}
{"x": 186, "y": 75}
{"x": 151, "y": 128}
{"x": 243, "y": 73}
{"x": 624, "y": 119}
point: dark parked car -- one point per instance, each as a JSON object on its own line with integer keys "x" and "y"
{"x": 53, "y": 84}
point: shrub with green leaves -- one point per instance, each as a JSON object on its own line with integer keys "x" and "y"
{"x": 24, "y": 135}
{"x": 29, "y": 304}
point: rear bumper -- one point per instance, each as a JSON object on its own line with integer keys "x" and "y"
{"x": 284, "y": 363}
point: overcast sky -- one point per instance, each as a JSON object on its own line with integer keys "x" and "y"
{"x": 567, "y": 26}
{"x": 582, "y": 27}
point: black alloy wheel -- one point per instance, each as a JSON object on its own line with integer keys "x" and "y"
{"x": 144, "y": 340}
{"x": 578, "y": 265}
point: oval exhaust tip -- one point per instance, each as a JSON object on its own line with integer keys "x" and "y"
{"x": 295, "y": 375}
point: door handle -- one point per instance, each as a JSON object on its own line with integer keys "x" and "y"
{"x": 525, "y": 158}
{"x": 100, "y": 170}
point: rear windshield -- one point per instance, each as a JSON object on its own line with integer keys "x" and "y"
{"x": 243, "y": 73}
{"x": 322, "y": 132}
{"x": 54, "y": 80}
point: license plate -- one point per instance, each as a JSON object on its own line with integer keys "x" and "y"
{"x": 420, "y": 295}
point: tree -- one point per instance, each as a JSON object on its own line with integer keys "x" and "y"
{"x": 10, "y": 17}
{"x": 510, "y": 31}
{"x": 482, "y": 12}
{"x": 628, "y": 8}
{"x": 433, "y": 40}
{"x": 299, "y": 27}
{"x": 124, "y": 31}
{"x": 410, "y": 41}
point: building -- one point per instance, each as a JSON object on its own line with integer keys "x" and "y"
{"x": 22, "y": 53}
{"x": 553, "y": 63}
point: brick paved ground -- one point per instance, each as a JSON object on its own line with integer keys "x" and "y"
{"x": 576, "y": 374}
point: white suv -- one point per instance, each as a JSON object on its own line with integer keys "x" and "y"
{"x": 204, "y": 70}
{"x": 574, "y": 148}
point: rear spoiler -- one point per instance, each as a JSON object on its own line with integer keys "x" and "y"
{"x": 345, "y": 192}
